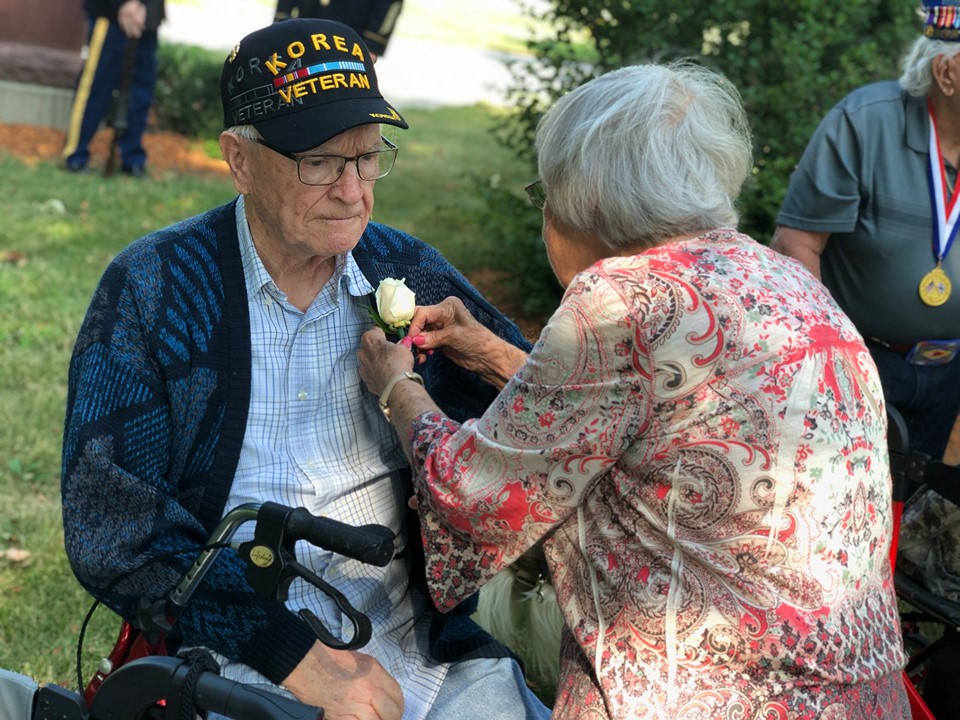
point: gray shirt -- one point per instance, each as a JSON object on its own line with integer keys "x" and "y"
{"x": 863, "y": 179}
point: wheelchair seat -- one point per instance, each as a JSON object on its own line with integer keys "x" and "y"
{"x": 17, "y": 696}
{"x": 934, "y": 608}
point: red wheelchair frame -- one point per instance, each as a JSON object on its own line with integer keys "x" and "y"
{"x": 912, "y": 471}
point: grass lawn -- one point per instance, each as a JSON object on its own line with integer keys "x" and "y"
{"x": 57, "y": 235}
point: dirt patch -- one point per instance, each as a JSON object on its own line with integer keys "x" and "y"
{"x": 165, "y": 150}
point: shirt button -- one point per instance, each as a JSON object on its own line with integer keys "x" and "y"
{"x": 302, "y": 394}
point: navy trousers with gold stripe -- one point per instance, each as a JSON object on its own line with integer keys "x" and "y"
{"x": 101, "y": 74}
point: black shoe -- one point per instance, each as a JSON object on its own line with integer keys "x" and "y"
{"x": 137, "y": 171}
{"x": 75, "y": 167}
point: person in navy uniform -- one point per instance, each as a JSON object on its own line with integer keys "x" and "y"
{"x": 121, "y": 51}
{"x": 374, "y": 20}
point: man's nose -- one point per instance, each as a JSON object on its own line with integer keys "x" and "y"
{"x": 349, "y": 184}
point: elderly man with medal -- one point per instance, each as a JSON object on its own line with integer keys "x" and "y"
{"x": 872, "y": 210}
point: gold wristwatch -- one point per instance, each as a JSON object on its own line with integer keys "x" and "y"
{"x": 385, "y": 395}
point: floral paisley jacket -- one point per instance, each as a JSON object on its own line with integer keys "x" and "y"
{"x": 699, "y": 441}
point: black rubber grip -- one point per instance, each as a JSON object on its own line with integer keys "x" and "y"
{"x": 371, "y": 544}
{"x": 226, "y": 697}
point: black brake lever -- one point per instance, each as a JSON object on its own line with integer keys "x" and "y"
{"x": 272, "y": 567}
{"x": 362, "y": 628}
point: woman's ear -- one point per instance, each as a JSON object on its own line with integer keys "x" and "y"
{"x": 233, "y": 148}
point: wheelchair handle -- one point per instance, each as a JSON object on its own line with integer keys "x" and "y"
{"x": 372, "y": 544}
{"x": 271, "y": 568}
{"x": 135, "y": 687}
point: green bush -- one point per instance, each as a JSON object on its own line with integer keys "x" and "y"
{"x": 186, "y": 100}
{"x": 790, "y": 60}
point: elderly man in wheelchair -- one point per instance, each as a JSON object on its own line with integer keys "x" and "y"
{"x": 216, "y": 366}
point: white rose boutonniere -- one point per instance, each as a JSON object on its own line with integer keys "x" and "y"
{"x": 396, "y": 304}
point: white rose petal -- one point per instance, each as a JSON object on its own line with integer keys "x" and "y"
{"x": 396, "y": 302}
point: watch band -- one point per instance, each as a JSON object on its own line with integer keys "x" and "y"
{"x": 385, "y": 395}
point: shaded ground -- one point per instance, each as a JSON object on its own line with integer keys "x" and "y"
{"x": 167, "y": 151}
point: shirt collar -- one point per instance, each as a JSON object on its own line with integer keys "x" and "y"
{"x": 917, "y": 123}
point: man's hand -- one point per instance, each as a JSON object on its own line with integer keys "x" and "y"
{"x": 381, "y": 360}
{"x": 132, "y": 18}
{"x": 802, "y": 245}
{"x": 347, "y": 685}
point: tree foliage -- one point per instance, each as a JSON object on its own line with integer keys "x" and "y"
{"x": 185, "y": 98}
{"x": 791, "y": 62}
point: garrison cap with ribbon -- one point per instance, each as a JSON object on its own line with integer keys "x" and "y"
{"x": 302, "y": 82}
{"x": 942, "y": 19}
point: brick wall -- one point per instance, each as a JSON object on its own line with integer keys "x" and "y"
{"x": 40, "y": 41}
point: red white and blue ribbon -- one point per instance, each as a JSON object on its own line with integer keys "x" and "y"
{"x": 946, "y": 209}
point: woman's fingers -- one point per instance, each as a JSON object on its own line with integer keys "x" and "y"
{"x": 447, "y": 312}
{"x": 373, "y": 336}
{"x": 444, "y": 325}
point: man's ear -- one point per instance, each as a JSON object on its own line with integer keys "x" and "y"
{"x": 235, "y": 152}
{"x": 945, "y": 74}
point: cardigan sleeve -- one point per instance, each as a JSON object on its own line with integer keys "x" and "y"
{"x": 141, "y": 418}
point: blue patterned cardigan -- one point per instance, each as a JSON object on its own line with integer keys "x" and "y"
{"x": 159, "y": 385}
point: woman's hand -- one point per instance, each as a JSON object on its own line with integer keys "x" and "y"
{"x": 346, "y": 685}
{"x": 450, "y": 327}
{"x": 381, "y": 360}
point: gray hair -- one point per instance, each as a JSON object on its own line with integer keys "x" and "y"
{"x": 645, "y": 153}
{"x": 247, "y": 132}
{"x": 917, "y": 63}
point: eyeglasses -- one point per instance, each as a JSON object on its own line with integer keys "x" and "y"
{"x": 327, "y": 169}
{"x": 536, "y": 193}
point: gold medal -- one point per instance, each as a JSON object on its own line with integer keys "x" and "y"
{"x": 935, "y": 287}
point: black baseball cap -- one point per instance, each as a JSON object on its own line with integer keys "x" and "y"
{"x": 301, "y": 82}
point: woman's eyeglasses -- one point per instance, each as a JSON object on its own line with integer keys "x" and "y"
{"x": 536, "y": 193}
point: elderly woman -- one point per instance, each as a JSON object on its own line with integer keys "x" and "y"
{"x": 697, "y": 438}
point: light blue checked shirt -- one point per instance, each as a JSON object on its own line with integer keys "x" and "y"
{"x": 315, "y": 438}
